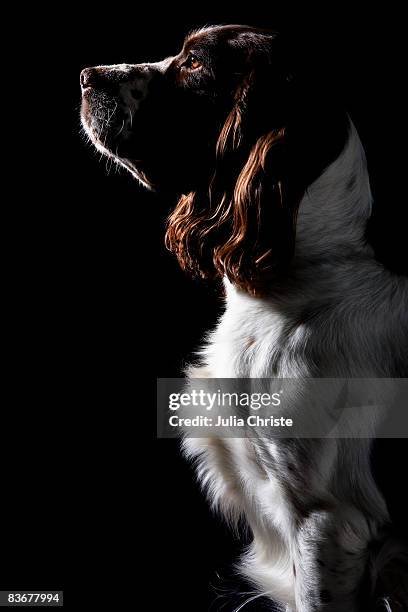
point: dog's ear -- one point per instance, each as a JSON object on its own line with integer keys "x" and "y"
{"x": 264, "y": 91}
{"x": 263, "y": 212}
{"x": 256, "y": 138}
{"x": 243, "y": 225}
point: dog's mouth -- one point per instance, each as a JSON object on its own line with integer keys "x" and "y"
{"x": 111, "y": 100}
{"x": 109, "y": 125}
{"x": 105, "y": 121}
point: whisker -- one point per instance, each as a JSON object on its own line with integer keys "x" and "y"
{"x": 121, "y": 129}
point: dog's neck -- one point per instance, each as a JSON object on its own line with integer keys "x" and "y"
{"x": 334, "y": 211}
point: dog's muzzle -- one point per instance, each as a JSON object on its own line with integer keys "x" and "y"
{"x": 126, "y": 82}
{"x": 111, "y": 98}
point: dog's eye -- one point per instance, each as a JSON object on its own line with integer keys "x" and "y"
{"x": 192, "y": 63}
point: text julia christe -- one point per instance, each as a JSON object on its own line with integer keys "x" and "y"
{"x": 230, "y": 421}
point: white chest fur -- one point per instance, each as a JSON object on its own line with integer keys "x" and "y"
{"x": 252, "y": 340}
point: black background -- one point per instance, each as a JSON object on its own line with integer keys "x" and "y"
{"x": 96, "y": 307}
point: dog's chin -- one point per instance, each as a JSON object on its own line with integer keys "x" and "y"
{"x": 129, "y": 147}
{"x": 110, "y": 140}
{"x": 94, "y": 130}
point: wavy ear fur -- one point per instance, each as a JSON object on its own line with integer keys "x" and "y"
{"x": 243, "y": 225}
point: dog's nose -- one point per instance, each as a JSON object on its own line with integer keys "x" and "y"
{"x": 89, "y": 77}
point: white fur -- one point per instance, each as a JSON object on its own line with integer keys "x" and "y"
{"x": 358, "y": 330}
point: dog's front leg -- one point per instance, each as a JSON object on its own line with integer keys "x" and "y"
{"x": 329, "y": 535}
{"x": 330, "y": 559}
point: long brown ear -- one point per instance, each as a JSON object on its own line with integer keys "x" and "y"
{"x": 271, "y": 147}
{"x": 244, "y": 227}
{"x": 264, "y": 209}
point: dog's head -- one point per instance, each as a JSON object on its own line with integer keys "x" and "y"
{"x": 231, "y": 127}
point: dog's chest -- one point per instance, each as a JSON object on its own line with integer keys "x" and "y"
{"x": 252, "y": 340}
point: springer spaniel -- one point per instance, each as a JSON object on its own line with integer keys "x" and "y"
{"x": 274, "y": 197}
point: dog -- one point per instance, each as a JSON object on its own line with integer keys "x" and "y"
{"x": 274, "y": 198}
